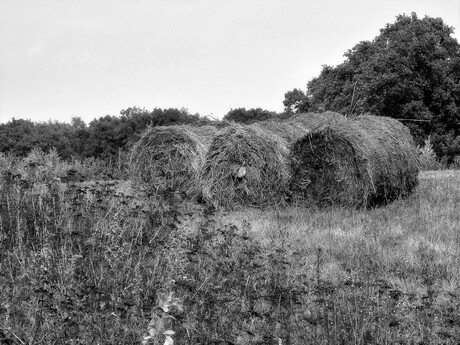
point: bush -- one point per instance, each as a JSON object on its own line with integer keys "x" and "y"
{"x": 456, "y": 163}
{"x": 427, "y": 156}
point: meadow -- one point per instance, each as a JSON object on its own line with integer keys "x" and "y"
{"x": 97, "y": 262}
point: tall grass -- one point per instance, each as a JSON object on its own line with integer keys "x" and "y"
{"x": 93, "y": 263}
{"x": 389, "y": 275}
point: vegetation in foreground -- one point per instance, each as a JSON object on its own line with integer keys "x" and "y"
{"x": 96, "y": 263}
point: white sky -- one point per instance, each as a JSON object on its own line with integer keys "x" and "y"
{"x": 63, "y": 58}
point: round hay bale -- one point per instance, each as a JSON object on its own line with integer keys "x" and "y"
{"x": 363, "y": 162}
{"x": 245, "y": 165}
{"x": 169, "y": 158}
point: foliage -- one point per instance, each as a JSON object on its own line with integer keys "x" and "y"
{"x": 427, "y": 156}
{"x": 410, "y": 71}
{"x": 79, "y": 263}
{"x": 18, "y": 137}
{"x": 38, "y": 166}
{"x": 248, "y": 116}
{"x": 295, "y": 101}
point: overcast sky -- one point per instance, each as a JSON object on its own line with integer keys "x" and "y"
{"x": 65, "y": 58}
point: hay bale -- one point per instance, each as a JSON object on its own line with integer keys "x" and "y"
{"x": 362, "y": 162}
{"x": 245, "y": 165}
{"x": 169, "y": 158}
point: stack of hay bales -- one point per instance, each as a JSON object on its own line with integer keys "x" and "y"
{"x": 361, "y": 162}
{"x": 247, "y": 165}
{"x": 322, "y": 159}
{"x": 169, "y": 158}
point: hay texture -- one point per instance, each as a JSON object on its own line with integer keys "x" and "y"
{"x": 299, "y": 125}
{"x": 245, "y": 165}
{"x": 169, "y": 158}
{"x": 360, "y": 162}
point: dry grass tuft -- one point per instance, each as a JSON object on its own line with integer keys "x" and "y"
{"x": 362, "y": 162}
{"x": 169, "y": 158}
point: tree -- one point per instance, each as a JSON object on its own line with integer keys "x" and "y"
{"x": 249, "y": 116}
{"x": 410, "y": 71}
{"x": 103, "y": 139}
{"x": 77, "y": 123}
{"x": 295, "y": 101}
{"x": 16, "y": 135}
{"x": 54, "y": 134}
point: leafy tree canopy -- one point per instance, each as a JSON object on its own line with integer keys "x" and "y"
{"x": 295, "y": 101}
{"x": 242, "y": 115}
{"x": 411, "y": 71}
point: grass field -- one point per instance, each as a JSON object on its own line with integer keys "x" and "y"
{"x": 408, "y": 252}
{"x": 97, "y": 264}
{"x": 399, "y": 243}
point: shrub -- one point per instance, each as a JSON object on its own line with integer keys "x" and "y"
{"x": 427, "y": 156}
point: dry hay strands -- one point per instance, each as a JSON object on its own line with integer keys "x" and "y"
{"x": 299, "y": 125}
{"x": 288, "y": 131}
{"x": 245, "y": 166}
{"x": 364, "y": 162}
{"x": 169, "y": 159}
{"x": 315, "y": 121}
